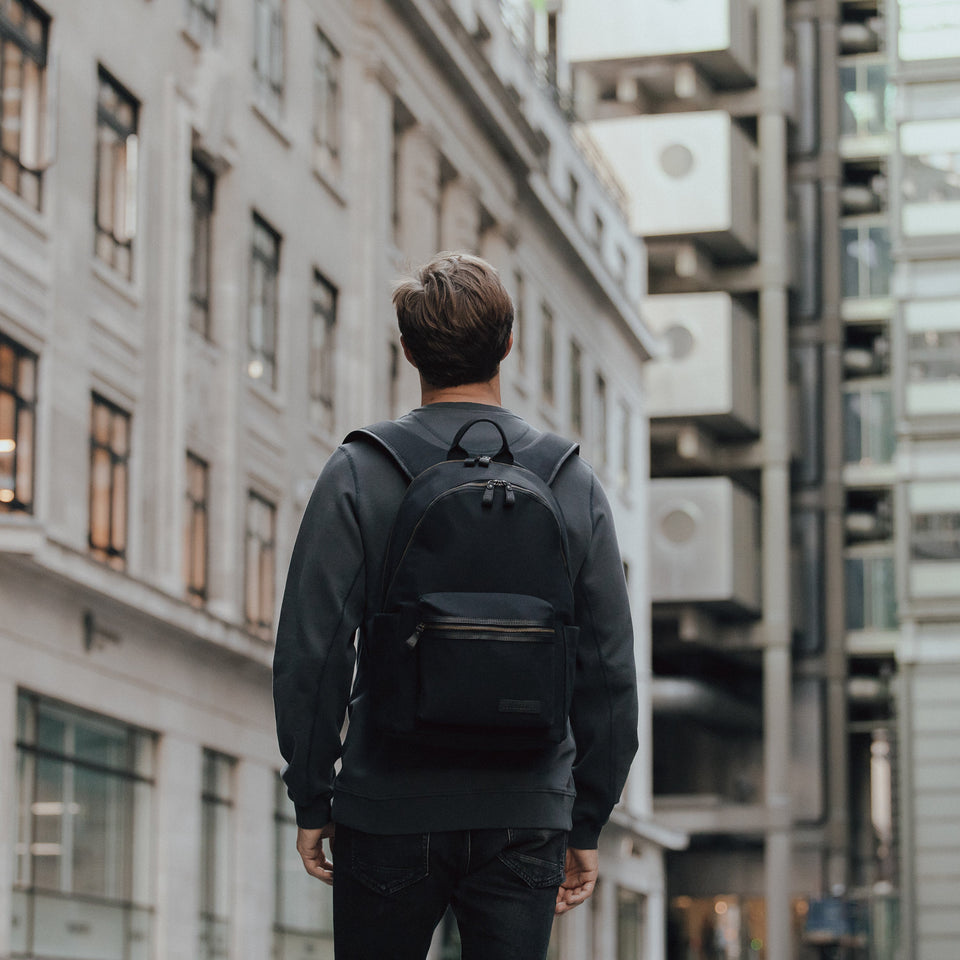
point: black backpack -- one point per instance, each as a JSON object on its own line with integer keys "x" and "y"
{"x": 474, "y": 644}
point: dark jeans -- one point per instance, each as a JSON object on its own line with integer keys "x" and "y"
{"x": 390, "y": 892}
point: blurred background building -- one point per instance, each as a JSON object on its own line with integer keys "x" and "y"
{"x": 203, "y": 207}
{"x": 795, "y": 171}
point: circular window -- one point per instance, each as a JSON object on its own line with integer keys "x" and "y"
{"x": 679, "y": 341}
{"x": 676, "y": 160}
{"x": 680, "y": 524}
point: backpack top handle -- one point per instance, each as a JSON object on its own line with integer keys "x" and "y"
{"x": 458, "y": 453}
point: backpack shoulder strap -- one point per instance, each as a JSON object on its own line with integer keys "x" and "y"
{"x": 410, "y": 452}
{"x": 546, "y": 455}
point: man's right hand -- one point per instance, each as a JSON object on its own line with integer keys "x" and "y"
{"x": 310, "y": 848}
{"x": 582, "y": 867}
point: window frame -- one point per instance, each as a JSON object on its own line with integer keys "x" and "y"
{"x": 202, "y": 205}
{"x": 108, "y": 242}
{"x": 135, "y": 776}
{"x": 270, "y": 77}
{"x": 213, "y": 804}
{"x": 548, "y": 355}
{"x": 202, "y": 17}
{"x": 258, "y": 617}
{"x": 327, "y": 105}
{"x": 112, "y": 553}
{"x": 36, "y": 52}
{"x": 322, "y": 376}
{"x": 576, "y": 388}
{"x": 265, "y": 352}
{"x": 23, "y": 407}
{"x": 196, "y": 575}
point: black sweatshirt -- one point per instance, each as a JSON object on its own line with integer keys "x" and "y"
{"x": 383, "y": 786}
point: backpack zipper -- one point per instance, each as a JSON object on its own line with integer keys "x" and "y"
{"x": 502, "y": 628}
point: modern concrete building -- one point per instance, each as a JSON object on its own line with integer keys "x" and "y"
{"x": 793, "y": 168}
{"x": 203, "y": 207}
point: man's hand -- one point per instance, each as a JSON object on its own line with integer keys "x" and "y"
{"x": 582, "y": 868}
{"x": 310, "y": 848}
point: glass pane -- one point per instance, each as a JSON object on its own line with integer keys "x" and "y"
{"x": 877, "y": 256}
{"x": 852, "y": 429}
{"x": 103, "y": 744}
{"x": 100, "y": 474}
{"x": 118, "y": 508}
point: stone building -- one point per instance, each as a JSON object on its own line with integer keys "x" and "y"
{"x": 203, "y": 207}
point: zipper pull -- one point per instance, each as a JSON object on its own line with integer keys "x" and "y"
{"x": 414, "y": 637}
{"x": 509, "y": 497}
{"x": 484, "y": 461}
{"x": 488, "y": 493}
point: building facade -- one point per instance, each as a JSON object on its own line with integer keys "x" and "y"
{"x": 793, "y": 170}
{"x": 203, "y": 208}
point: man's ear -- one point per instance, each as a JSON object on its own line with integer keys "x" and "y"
{"x": 407, "y": 353}
{"x": 506, "y": 352}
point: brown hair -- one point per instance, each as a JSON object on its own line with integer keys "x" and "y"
{"x": 456, "y": 318}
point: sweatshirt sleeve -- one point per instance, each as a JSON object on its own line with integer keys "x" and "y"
{"x": 604, "y": 710}
{"x": 314, "y": 657}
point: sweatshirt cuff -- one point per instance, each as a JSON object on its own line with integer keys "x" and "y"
{"x": 312, "y": 816}
{"x": 584, "y": 836}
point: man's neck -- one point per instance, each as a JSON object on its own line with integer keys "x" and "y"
{"x": 487, "y": 393}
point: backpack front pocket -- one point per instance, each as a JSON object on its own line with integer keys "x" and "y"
{"x": 490, "y": 660}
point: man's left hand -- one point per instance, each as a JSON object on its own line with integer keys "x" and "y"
{"x": 310, "y": 848}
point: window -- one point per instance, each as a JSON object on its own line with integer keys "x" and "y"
{"x": 929, "y": 29}
{"x": 83, "y": 868}
{"x": 268, "y": 53}
{"x": 870, "y": 592}
{"x": 109, "y": 482}
{"x": 933, "y": 357}
{"x": 323, "y": 347}
{"x": 518, "y": 323}
{"x": 600, "y": 428}
{"x": 393, "y": 378}
{"x": 866, "y": 107}
{"x": 626, "y": 447}
{"x": 303, "y": 908}
{"x": 116, "y": 183}
{"x": 216, "y": 843}
{"x": 18, "y": 399}
{"x": 935, "y": 536}
{"x": 24, "y": 31}
{"x": 402, "y": 122}
{"x": 196, "y": 533}
{"x": 260, "y": 564}
{"x": 631, "y": 915}
{"x": 866, "y": 267}
{"x": 202, "y": 181}
{"x": 326, "y": 106}
{"x": 546, "y": 353}
{"x": 576, "y": 389}
{"x": 202, "y": 19}
{"x": 262, "y": 320}
{"x": 868, "y": 429}
{"x": 573, "y": 194}
{"x": 930, "y": 183}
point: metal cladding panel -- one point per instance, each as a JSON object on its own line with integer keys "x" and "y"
{"x": 687, "y": 174}
{"x": 710, "y": 371}
{"x": 614, "y": 30}
{"x": 704, "y": 544}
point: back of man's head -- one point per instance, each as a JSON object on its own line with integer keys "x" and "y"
{"x": 456, "y": 318}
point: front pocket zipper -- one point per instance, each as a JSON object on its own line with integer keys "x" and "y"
{"x": 490, "y": 629}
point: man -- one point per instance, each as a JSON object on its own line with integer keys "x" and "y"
{"x": 505, "y": 839}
